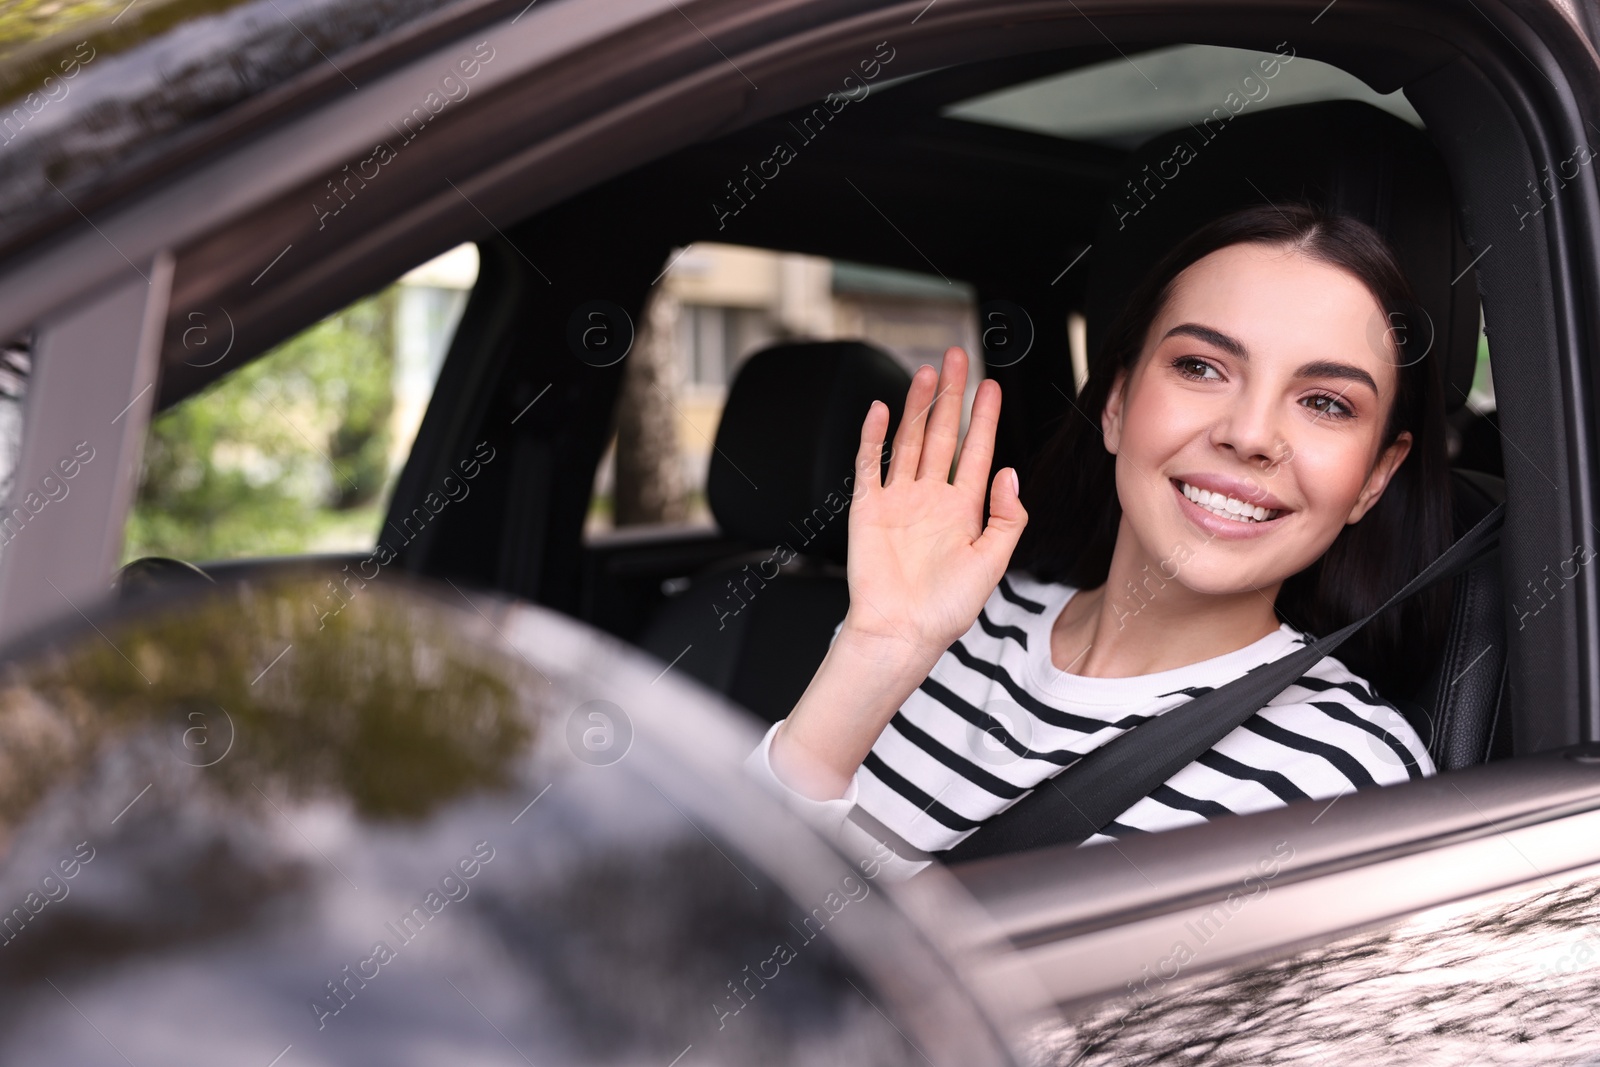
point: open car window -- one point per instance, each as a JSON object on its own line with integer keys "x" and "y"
{"x": 298, "y": 450}
{"x": 715, "y": 306}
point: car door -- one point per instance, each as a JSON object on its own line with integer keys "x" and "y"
{"x": 1373, "y": 928}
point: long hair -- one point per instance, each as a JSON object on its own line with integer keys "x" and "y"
{"x": 1071, "y": 492}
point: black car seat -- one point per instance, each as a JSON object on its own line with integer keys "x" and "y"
{"x": 756, "y": 627}
{"x": 1353, "y": 159}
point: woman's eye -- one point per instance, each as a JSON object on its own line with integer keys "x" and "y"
{"x": 1323, "y": 404}
{"x": 1195, "y": 367}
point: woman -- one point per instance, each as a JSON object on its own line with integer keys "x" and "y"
{"x": 1257, "y": 455}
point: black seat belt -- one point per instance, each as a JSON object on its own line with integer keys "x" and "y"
{"x": 1088, "y": 794}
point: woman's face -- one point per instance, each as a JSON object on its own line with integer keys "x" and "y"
{"x": 1251, "y": 430}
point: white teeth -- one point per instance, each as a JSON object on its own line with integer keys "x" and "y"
{"x": 1226, "y": 506}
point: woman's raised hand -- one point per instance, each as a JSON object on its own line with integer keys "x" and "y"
{"x": 921, "y": 561}
{"x": 921, "y": 565}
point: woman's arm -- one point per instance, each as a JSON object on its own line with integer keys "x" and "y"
{"x": 921, "y": 564}
{"x": 858, "y": 687}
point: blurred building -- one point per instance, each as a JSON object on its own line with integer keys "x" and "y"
{"x": 428, "y": 305}
{"x": 731, "y": 301}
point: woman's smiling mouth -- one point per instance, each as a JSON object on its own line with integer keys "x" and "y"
{"x": 1225, "y": 505}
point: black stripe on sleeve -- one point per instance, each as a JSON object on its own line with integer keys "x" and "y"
{"x": 907, "y": 789}
{"x": 1182, "y": 801}
{"x": 886, "y": 837}
{"x": 1278, "y": 784}
{"x": 964, "y": 767}
{"x": 995, "y": 630}
{"x": 1345, "y": 715}
{"x": 1118, "y": 829}
{"x": 1341, "y": 760}
{"x": 1054, "y": 716}
{"x": 1017, "y": 598}
{"x": 993, "y": 726}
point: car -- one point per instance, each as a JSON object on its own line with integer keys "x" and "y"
{"x": 200, "y": 189}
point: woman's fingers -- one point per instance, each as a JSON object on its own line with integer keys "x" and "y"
{"x": 1006, "y": 520}
{"x": 944, "y": 422}
{"x": 977, "y": 451}
{"x": 908, "y": 438}
{"x": 869, "y": 457}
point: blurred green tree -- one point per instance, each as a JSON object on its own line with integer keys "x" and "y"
{"x": 277, "y": 455}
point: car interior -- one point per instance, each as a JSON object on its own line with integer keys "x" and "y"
{"x": 1055, "y": 224}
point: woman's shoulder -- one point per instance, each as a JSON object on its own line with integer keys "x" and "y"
{"x": 1334, "y": 676}
{"x": 1331, "y": 704}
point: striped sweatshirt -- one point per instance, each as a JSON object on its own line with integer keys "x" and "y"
{"x": 995, "y": 718}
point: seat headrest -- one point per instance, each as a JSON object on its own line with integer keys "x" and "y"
{"x": 782, "y": 470}
{"x": 1347, "y": 157}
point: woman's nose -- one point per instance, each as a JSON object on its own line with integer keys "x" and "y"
{"x": 1250, "y": 429}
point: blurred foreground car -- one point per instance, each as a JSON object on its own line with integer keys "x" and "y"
{"x": 180, "y": 190}
{"x": 427, "y": 832}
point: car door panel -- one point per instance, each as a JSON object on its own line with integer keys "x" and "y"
{"x": 1249, "y": 939}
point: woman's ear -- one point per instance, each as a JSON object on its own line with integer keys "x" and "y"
{"x": 1111, "y": 417}
{"x": 1378, "y": 480}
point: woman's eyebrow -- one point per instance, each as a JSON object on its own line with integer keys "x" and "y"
{"x": 1329, "y": 369}
{"x": 1322, "y": 368}
{"x": 1211, "y": 337}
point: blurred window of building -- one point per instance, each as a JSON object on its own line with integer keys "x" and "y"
{"x": 715, "y": 306}
{"x": 430, "y": 302}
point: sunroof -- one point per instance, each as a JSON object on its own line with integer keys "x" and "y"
{"x": 1124, "y": 101}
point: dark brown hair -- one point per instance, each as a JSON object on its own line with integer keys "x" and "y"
{"x": 1071, "y": 494}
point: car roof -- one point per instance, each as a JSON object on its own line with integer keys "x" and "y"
{"x": 98, "y": 96}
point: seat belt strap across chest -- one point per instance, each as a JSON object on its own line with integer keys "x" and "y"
{"x": 1076, "y": 803}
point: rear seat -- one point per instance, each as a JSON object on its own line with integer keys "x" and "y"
{"x": 755, "y": 627}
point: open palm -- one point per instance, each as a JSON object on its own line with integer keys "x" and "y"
{"x": 921, "y": 561}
